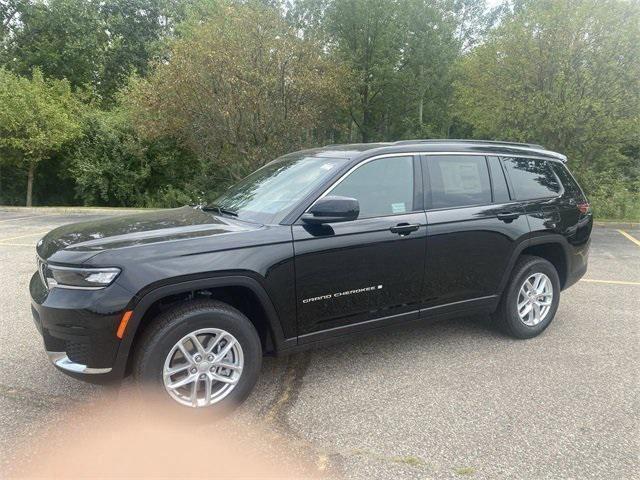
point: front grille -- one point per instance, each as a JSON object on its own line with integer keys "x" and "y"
{"x": 42, "y": 270}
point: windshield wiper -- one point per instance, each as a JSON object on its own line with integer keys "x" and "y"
{"x": 220, "y": 210}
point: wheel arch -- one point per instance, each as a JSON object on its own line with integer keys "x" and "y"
{"x": 146, "y": 305}
{"x": 553, "y": 248}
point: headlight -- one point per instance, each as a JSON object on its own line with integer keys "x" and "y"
{"x": 83, "y": 278}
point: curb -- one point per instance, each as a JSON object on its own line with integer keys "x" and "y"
{"x": 75, "y": 210}
{"x": 614, "y": 224}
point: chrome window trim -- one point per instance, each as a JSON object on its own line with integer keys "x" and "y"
{"x": 354, "y": 168}
{"x": 427, "y": 154}
{"x": 477, "y": 205}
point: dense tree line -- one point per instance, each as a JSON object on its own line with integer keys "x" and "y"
{"x": 165, "y": 102}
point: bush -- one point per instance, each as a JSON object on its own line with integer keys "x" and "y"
{"x": 612, "y": 196}
{"x": 112, "y": 166}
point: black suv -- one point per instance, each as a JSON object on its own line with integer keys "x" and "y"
{"x": 317, "y": 245}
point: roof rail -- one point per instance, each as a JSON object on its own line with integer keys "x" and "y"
{"x": 466, "y": 140}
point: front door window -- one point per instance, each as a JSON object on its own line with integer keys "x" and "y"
{"x": 382, "y": 187}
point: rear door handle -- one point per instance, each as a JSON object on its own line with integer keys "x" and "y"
{"x": 405, "y": 228}
{"x": 508, "y": 216}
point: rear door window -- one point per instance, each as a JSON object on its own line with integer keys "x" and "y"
{"x": 458, "y": 181}
{"x": 531, "y": 179}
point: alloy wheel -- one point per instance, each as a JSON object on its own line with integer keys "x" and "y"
{"x": 535, "y": 299}
{"x": 203, "y": 367}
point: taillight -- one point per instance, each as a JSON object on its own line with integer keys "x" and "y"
{"x": 584, "y": 207}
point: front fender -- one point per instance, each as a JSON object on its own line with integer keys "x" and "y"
{"x": 142, "y": 302}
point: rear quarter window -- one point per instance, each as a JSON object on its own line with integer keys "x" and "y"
{"x": 569, "y": 184}
{"x": 532, "y": 178}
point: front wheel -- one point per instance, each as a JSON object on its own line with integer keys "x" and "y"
{"x": 531, "y": 298}
{"x": 203, "y": 355}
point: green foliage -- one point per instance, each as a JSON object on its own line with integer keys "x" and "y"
{"x": 93, "y": 44}
{"x": 565, "y": 74}
{"x": 37, "y": 118}
{"x": 164, "y": 102}
{"x": 62, "y": 38}
{"x": 400, "y": 52}
{"x": 112, "y": 166}
{"x": 612, "y": 195}
{"x": 239, "y": 90}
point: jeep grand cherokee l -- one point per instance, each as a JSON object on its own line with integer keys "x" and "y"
{"x": 315, "y": 246}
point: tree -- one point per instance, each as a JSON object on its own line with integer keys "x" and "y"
{"x": 37, "y": 117}
{"x": 431, "y": 49}
{"x": 91, "y": 43}
{"x": 474, "y": 20}
{"x": 564, "y": 73}
{"x": 240, "y": 89}
{"x": 401, "y": 53}
{"x": 63, "y": 38}
{"x": 8, "y": 12}
{"x": 368, "y": 35}
{"x": 136, "y": 30}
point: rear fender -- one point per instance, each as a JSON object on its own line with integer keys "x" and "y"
{"x": 544, "y": 239}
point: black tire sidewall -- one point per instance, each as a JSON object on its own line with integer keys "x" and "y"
{"x": 516, "y": 327}
{"x": 151, "y": 362}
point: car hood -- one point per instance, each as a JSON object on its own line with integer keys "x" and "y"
{"x": 90, "y": 237}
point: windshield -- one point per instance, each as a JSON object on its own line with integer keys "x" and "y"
{"x": 269, "y": 193}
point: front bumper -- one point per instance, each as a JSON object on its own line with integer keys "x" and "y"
{"x": 62, "y": 361}
{"x": 78, "y": 328}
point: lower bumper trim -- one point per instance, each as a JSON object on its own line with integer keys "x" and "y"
{"x": 62, "y": 361}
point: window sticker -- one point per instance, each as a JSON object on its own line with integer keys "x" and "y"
{"x": 460, "y": 178}
{"x": 398, "y": 207}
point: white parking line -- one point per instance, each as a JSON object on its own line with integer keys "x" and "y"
{"x": 8, "y": 227}
{"x": 22, "y": 236}
{"x": 20, "y": 218}
{"x": 630, "y": 237}
{"x": 613, "y": 282}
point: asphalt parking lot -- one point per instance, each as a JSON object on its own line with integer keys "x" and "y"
{"x": 447, "y": 400}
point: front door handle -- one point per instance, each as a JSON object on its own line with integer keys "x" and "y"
{"x": 508, "y": 216}
{"x": 405, "y": 228}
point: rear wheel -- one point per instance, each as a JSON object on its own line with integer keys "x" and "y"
{"x": 203, "y": 355}
{"x": 531, "y": 298}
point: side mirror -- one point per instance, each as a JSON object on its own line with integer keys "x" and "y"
{"x": 332, "y": 209}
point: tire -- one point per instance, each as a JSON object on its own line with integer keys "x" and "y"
{"x": 507, "y": 316}
{"x": 170, "y": 327}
